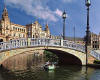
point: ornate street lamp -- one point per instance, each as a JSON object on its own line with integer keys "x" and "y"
{"x": 87, "y": 3}
{"x": 64, "y": 17}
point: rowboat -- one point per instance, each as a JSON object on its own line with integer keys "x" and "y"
{"x": 49, "y": 67}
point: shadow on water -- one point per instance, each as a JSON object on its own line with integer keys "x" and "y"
{"x": 61, "y": 73}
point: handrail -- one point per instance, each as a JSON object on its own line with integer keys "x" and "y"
{"x": 18, "y": 43}
{"x": 95, "y": 54}
{"x": 23, "y": 42}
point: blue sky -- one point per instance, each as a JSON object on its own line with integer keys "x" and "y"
{"x": 49, "y": 11}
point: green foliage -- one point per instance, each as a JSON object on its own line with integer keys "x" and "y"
{"x": 97, "y": 61}
{"x": 49, "y": 56}
{"x": 0, "y": 25}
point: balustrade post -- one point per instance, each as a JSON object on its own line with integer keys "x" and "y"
{"x": 29, "y": 42}
{"x": 61, "y": 42}
{"x": 20, "y": 43}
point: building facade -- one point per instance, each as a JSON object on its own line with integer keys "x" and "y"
{"x": 9, "y": 30}
{"x": 95, "y": 41}
{"x": 34, "y": 30}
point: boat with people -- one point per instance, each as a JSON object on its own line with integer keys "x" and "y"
{"x": 49, "y": 66}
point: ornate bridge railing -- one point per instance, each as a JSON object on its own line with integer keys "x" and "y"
{"x": 19, "y": 43}
{"x": 95, "y": 54}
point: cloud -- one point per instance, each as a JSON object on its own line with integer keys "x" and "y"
{"x": 68, "y": 1}
{"x": 58, "y": 12}
{"x": 37, "y": 8}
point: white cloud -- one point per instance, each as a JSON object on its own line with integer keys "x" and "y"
{"x": 58, "y": 12}
{"x": 36, "y": 8}
{"x": 68, "y": 0}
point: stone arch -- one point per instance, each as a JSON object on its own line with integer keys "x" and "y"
{"x": 79, "y": 55}
{"x": 66, "y": 58}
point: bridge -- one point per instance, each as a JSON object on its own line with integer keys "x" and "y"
{"x": 73, "y": 51}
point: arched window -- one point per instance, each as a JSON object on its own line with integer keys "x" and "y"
{"x": 20, "y": 29}
{"x": 1, "y": 40}
{"x": 14, "y": 35}
{"x": 33, "y": 36}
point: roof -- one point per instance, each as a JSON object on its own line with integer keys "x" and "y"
{"x": 18, "y": 25}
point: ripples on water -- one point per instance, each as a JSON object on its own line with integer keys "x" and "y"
{"x": 60, "y": 73}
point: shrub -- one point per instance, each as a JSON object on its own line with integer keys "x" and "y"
{"x": 97, "y": 61}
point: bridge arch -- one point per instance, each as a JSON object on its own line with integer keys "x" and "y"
{"x": 66, "y": 58}
{"x": 79, "y": 56}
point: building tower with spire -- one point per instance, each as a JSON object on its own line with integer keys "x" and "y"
{"x": 9, "y": 30}
{"x": 5, "y": 15}
{"x": 5, "y": 24}
{"x": 47, "y": 31}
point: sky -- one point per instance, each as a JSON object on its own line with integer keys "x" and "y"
{"x": 50, "y": 11}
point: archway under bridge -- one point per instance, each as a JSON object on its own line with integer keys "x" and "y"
{"x": 66, "y": 55}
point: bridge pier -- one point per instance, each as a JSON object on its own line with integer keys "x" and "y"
{"x": 90, "y": 58}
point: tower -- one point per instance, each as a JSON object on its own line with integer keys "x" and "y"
{"x": 5, "y": 22}
{"x": 47, "y": 31}
{"x": 5, "y": 15}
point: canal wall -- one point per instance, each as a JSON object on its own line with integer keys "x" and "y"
{"x": 24, "y": 61}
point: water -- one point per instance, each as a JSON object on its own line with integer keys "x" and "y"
{"x": 27, "y": 67}
{"x": 60, "y": 73}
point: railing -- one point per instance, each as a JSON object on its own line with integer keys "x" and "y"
{"x": 73, "y": 45}
{"x": 19, "y": 43}
{"x": 31, "y": 42}
{"x": 95, "y": 54}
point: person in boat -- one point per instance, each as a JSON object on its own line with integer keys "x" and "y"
{"x": 46, "y": 65}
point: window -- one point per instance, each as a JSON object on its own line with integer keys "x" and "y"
{"x": 23, "y": 35}
{"x": 33, "y": 36}
{"x": 14, "y": 35}
{"x": 13, "y": 28}
{"x": 18, "y": 29}
{"x": 24, "y": 30}
{"x": 7, "y": 28}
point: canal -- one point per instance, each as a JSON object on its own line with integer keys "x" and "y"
{"x": 60, "y": 73}
{"x": 28, "y": 67}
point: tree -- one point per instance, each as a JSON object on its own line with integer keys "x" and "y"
{"x": 49, "y": 56}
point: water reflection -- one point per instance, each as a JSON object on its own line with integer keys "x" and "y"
{"x": 61, "y": 73}
{"x": 23, "y": 61}
{"x": 27, "y": 67}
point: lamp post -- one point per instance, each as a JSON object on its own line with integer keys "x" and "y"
{"x": 64, "y": 17}
{"x": 87, "y": 3}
